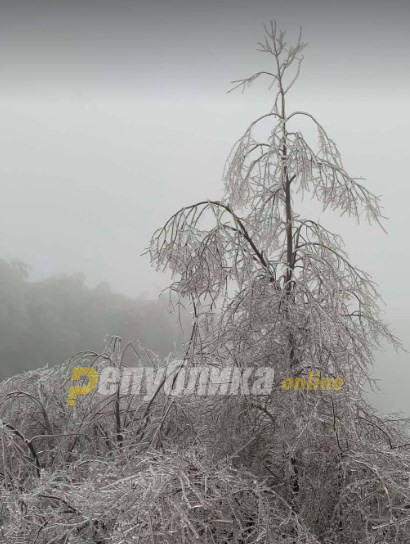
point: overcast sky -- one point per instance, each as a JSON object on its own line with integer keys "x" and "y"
{"x": 115, "y": 113}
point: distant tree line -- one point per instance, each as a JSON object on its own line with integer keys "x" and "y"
{"x": 44, "y": 322}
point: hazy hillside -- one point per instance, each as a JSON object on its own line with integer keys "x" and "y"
{"x": 47, "y": 321}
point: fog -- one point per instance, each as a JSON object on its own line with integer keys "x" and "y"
{"x": 114, "y": 115}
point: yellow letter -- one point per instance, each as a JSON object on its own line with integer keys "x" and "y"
{"x": 75, "y": 390}
{"x": 287, "y": 384}
{"x": 338, "y": 384}
{"x": 301, "y": 382}
{"x": 328, "y": 382}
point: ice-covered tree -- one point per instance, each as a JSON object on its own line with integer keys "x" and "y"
{"x": 266, "y": 287}
{"x": 283, "y": 284}
{"x": 269, "y": 287}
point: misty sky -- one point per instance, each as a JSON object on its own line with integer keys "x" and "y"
{"x": 115, "y": 114}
